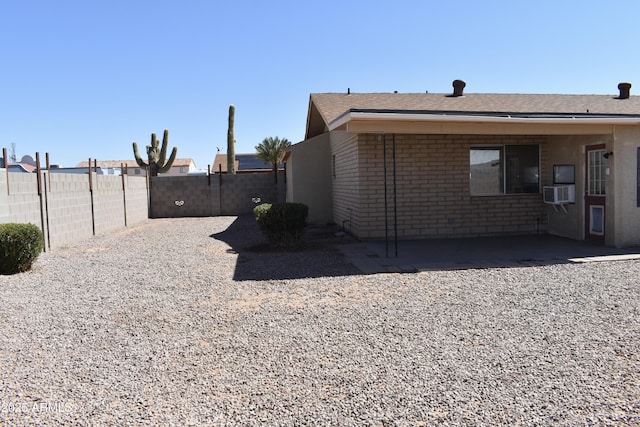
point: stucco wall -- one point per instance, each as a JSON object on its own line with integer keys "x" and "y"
{"x": 624, "y": 166}
{"x": 622, "y": 216}
{"x": 309, "y": 178}
{"x": 570, "y": 150}
{"x": 433, "y": 193}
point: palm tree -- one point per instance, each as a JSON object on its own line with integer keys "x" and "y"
{"x": 270, "y": 150}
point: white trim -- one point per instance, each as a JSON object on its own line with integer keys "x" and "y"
{"x": 415, "y": 117}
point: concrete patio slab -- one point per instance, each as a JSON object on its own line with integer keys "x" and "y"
{"x": 378, "y": 256}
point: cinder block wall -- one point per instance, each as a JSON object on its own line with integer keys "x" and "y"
{"x": 137, "y": 199}
{"x": 184, "y": 196}
{"x": 110, "y": 198}
{"x": 238, "y": 191}
{"x": 433, "y": 194}
{"x": 67, "y": 216}
{"x": 63, "y": 210}
{"x": 22, "y": 204}
{"x": 69, "y": 208}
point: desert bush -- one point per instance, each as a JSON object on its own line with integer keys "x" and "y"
{"x": 20, "y": 245}
{"x": 282, "y": 224}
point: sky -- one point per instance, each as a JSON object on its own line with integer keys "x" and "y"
{"x": 84, "y": 79}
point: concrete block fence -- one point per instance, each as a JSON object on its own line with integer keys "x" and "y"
{"x": 69, "y": 207}
{"x": 213, "y": 195}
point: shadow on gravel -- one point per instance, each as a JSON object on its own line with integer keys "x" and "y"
{"x": 317, "y": 256}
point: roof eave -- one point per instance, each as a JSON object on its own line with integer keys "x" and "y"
{"x": 350, "y": 116}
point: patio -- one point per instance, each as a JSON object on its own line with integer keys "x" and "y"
{"x": 378, "y": 256}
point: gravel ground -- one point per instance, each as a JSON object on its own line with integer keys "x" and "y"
{"x": 194, "y": 322}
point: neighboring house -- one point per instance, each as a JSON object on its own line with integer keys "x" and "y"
{"x": 459, "y": 165}
{"x": 245, "y": 163}
{"x": 26, "y": 165}
{"x": 79, "y": 170}
{"x": 178, "y": 168}
{"x": 21, "y": 167}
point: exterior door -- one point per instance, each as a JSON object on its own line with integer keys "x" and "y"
{"x": 594, "y": 199}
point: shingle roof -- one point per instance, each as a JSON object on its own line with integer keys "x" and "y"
{"x": 326, "y": 107}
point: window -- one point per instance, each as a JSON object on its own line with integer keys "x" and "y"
{"x": 184, "y": 169}
{"x": 597, "y": 170}
{"x": 508, "y": 169}
{"x": 564, "y": 174}
{"x": 596, "y": 220}
{"x": 137, "y": 171}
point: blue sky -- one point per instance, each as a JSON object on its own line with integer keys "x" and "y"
{"x": 82, "y": 79}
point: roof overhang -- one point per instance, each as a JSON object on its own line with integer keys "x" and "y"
{"x": 446, "y": 122}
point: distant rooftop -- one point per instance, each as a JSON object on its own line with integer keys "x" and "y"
{"x": 244, "y": 163}
{"x": 131, "y": 163}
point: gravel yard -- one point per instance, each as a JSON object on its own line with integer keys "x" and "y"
{"x": 193, "y": 322}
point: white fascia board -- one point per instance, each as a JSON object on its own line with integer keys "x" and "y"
{"x": 346, "y": 118}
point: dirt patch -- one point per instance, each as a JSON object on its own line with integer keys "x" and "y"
{"x": 142, "y": 226}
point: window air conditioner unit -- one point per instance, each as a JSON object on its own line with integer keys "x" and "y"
{"x": 559, "y": 194}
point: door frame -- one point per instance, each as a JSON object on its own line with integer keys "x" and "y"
{"x": 597, "y": 201}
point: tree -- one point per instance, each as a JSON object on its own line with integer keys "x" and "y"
{"x": 270, "y": 150}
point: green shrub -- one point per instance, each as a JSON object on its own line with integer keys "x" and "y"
{"x": 20, "y": 245}
{"x": 282, "y": 223}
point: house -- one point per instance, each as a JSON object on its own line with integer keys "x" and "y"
{"x": 426, "y": 165}
{"x": 25, "y": 165}
{"x": 245, "y": 163}
{"x": 99, "y": 170}
{"x": 21, "y": 167}
{"x": 180, "y": 167}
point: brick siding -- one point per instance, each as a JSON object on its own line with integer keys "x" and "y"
{"x": 345, "y": 181}
{"x": 433, "y": 193}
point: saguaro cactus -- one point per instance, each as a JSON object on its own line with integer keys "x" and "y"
{"x": 156, "y": 156}
{"x": 231, "y": 150}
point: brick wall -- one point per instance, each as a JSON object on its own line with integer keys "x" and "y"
{"x": 433, "y": 194}
{"x": 345, "y": 172}
{"x": 173, "y": 196}
{"x": 66, "y": 201}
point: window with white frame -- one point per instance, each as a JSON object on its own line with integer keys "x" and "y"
{"x": 504, "y": 169}
{"x": 596, "y": 173}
